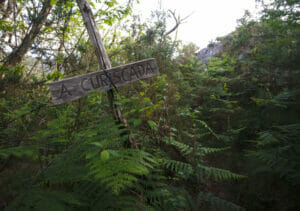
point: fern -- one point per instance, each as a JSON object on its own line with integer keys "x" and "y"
{"x": 154, "y": 188}
{"x": 219, "y": 204}
{"x": 20, "y": 151}
{"x": 122, "y": 166}
{"x": 208, "y": 201}
{"x": 67, "y": 168}
{"x": 278, "y": 149}
{"x": 178, "y": 166}
{"x": 204, "y": 172}
{"x": 121, "y": 169}
{"x": 45, "y": 199}
{"x": 184, "y": 148}
{"x": 281, "y": 100}
{"x": 208, "y": 150}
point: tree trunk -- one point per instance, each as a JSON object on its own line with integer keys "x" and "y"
{"x": 18, "y": 53}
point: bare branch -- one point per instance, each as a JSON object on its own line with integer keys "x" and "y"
{"x": 178, "y": 21}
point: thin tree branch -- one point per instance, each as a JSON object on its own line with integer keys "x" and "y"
{"x": 178, "y": 21}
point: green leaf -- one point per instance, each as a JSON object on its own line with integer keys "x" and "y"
{"x": 137, "y": 122}
{"x": 104, "y": 155}
{"x": 152, "y": 125}
{"x": 52, "y": 2}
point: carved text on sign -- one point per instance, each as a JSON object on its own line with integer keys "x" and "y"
{"x": 79, "y": 86}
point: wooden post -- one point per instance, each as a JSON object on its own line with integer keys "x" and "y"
{"x": 102, "y": 57}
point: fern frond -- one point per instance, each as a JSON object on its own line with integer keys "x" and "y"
{"x": 45, "y": 199}
{"x": 205, "y": 125}
{"x": 121, "y": 169}
{"x": 183, "y": 148}
{"x": 178, "y": 166}
{"x": 204, "y": 172}
{"x": 207, "y": 150}
{"x": 217, "y": 203}
{"x": 29, "y": 151}
{"x": 67, "y": 168}
{"x": 207, "y": 201}
{"x": 278, "y": 149}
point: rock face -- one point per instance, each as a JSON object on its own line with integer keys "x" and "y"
{"x": 210, "y": 51}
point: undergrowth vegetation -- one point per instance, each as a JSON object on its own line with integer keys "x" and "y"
{"x": 219, "y": 135}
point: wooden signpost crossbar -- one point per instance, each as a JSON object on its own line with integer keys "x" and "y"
{"x": 79, "y": 86}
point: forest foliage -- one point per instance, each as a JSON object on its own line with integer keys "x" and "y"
{"x": 219, "y": 135}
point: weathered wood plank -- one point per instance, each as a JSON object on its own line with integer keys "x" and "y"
{"x": 79, "y": 86}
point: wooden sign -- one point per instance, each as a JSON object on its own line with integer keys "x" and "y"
{"x": 79, "y": 86}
